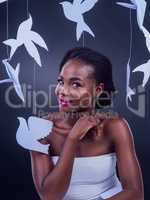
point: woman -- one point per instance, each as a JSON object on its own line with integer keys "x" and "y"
{"x": 84, "y": 145}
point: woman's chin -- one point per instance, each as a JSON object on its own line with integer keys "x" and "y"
{"x": 72, "y": 109}
{"x": 68, "y": 108}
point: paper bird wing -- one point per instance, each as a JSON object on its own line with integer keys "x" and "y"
{"x": 127, "y": 5}
{"x": 128, "y": 73}
{"x": 10, "y": 70}
{"x": 83, "y": 27}
{"x": 145, "y": 68}
{"x": 36, "y": 38}
{"x": 6, "y": 81}
{"x": 141, "y": 68}
{"x": 87, "y": 5}
{"x": 39, "y": 127}
{"x": 141, "y": 9}
{"x": 10, "y": 42}
{"x": 18, "y": 90}
{"x": 147, "y": 37}
{"x": 24, "y": 28}
{"x": 26, "y": 140}
{"x": 1, "y": 1}
{"x": 14, "y": 44}
{"x": 33, "y": 52}
{"x": 129, "y": 91}
{"x": 77, "y": 2}
{"x": 17, "y": 70}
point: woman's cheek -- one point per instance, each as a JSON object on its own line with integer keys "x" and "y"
{"x": 57, "y": 90}
{"x": 86, "y": 100}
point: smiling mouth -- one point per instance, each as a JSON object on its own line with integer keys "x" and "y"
{"x": 67, "y": 103}
{"x": 63, "y": 102}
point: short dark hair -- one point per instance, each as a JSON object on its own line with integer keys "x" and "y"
{"x": 102, "y": 70}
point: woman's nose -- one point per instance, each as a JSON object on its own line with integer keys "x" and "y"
{"x": 64, "y": 90}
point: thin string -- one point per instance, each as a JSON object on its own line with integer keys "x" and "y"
{"x": 83, "y": 40}
{"x": 34, "y": 89}
{"x": 27, "y": 8}
{"x": 34, "y": 74}
{"x": 131, "y": 35}
{"x": 7, "y": 26}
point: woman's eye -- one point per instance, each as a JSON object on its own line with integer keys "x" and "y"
{"x": 60, "y": 81}
{"x": 76, "y": 84}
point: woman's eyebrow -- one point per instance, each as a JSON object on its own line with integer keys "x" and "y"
{"x": 74, "y": 78}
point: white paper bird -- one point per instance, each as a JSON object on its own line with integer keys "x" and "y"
{"x": 140, "y": 6}
{"x": 28, "y": 38}
{"x": 1, "y": 1}
{"x": 29, "y": 132}
{"x": 145, "y": 68}
{"x": 74, "y": 12}
{"x": 147, "y": 37}
{"x": 13, "y": 78}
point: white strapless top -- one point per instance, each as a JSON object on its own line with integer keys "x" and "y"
{"x": 93, "y": 178}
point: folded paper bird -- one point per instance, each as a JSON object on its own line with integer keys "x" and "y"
{"x": 28, "y": 38}
{"x": 13, "y": 78}
{"x": 145, "y": 68}
{"x": 29, "y": 132}
{"x": 1, "y": 1}
{"x": 139, "y": 6}
{"x": 74, "y": 12}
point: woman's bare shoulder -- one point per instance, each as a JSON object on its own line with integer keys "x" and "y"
{"x": 118, "y": 129}
{"x": 116, "y": 122}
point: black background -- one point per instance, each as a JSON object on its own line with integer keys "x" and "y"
{"x": 110, "y": 23}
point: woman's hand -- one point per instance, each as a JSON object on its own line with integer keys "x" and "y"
{"x": 82, "y": 126}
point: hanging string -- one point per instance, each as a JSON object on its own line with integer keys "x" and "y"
{"x": 83, "y": 44}
{"x": 34, "y": 111}
{"x": 27, "y": 8}
{"x": 7, "y": 26}
{"x": 34, "y": 89}
{"x": 131, "y": 35}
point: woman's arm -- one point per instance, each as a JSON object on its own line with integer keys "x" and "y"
{"x": 127, "y": 162}
{"x": 52, "y": 181}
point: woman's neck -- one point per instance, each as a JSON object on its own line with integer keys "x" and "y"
{"x": 70, "y": 118}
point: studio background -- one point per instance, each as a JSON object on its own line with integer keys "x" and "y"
{"x": 111, "y": 26}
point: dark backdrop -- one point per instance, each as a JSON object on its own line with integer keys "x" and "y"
{"x": 110, "y": 23}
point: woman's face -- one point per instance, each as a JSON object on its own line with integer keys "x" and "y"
{"x": 76, "y": 87}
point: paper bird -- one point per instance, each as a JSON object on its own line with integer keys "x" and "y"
{"x": 29, "y": 132}
{"x": 1, "y": 1}
{"x": 140, "y": 6}
{"x": 74, "y": 12}
{"x": 27, "y": 37}
{"x": 147, "y": 37}
{"x": 130, "y": 92}
{"x": 145, "y": 68}
{"x": 13, "y": 78}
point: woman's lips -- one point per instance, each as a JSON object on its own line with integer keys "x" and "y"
{"x": 68, "y": 103}
{"x": 63, "y": 102}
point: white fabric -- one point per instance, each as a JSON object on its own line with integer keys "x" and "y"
{"x": 93, "y": 178}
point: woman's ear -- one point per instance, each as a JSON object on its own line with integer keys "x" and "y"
{"x": 99, "y": 89}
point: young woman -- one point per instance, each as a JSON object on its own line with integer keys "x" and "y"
{"x": 85, "y": 146}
